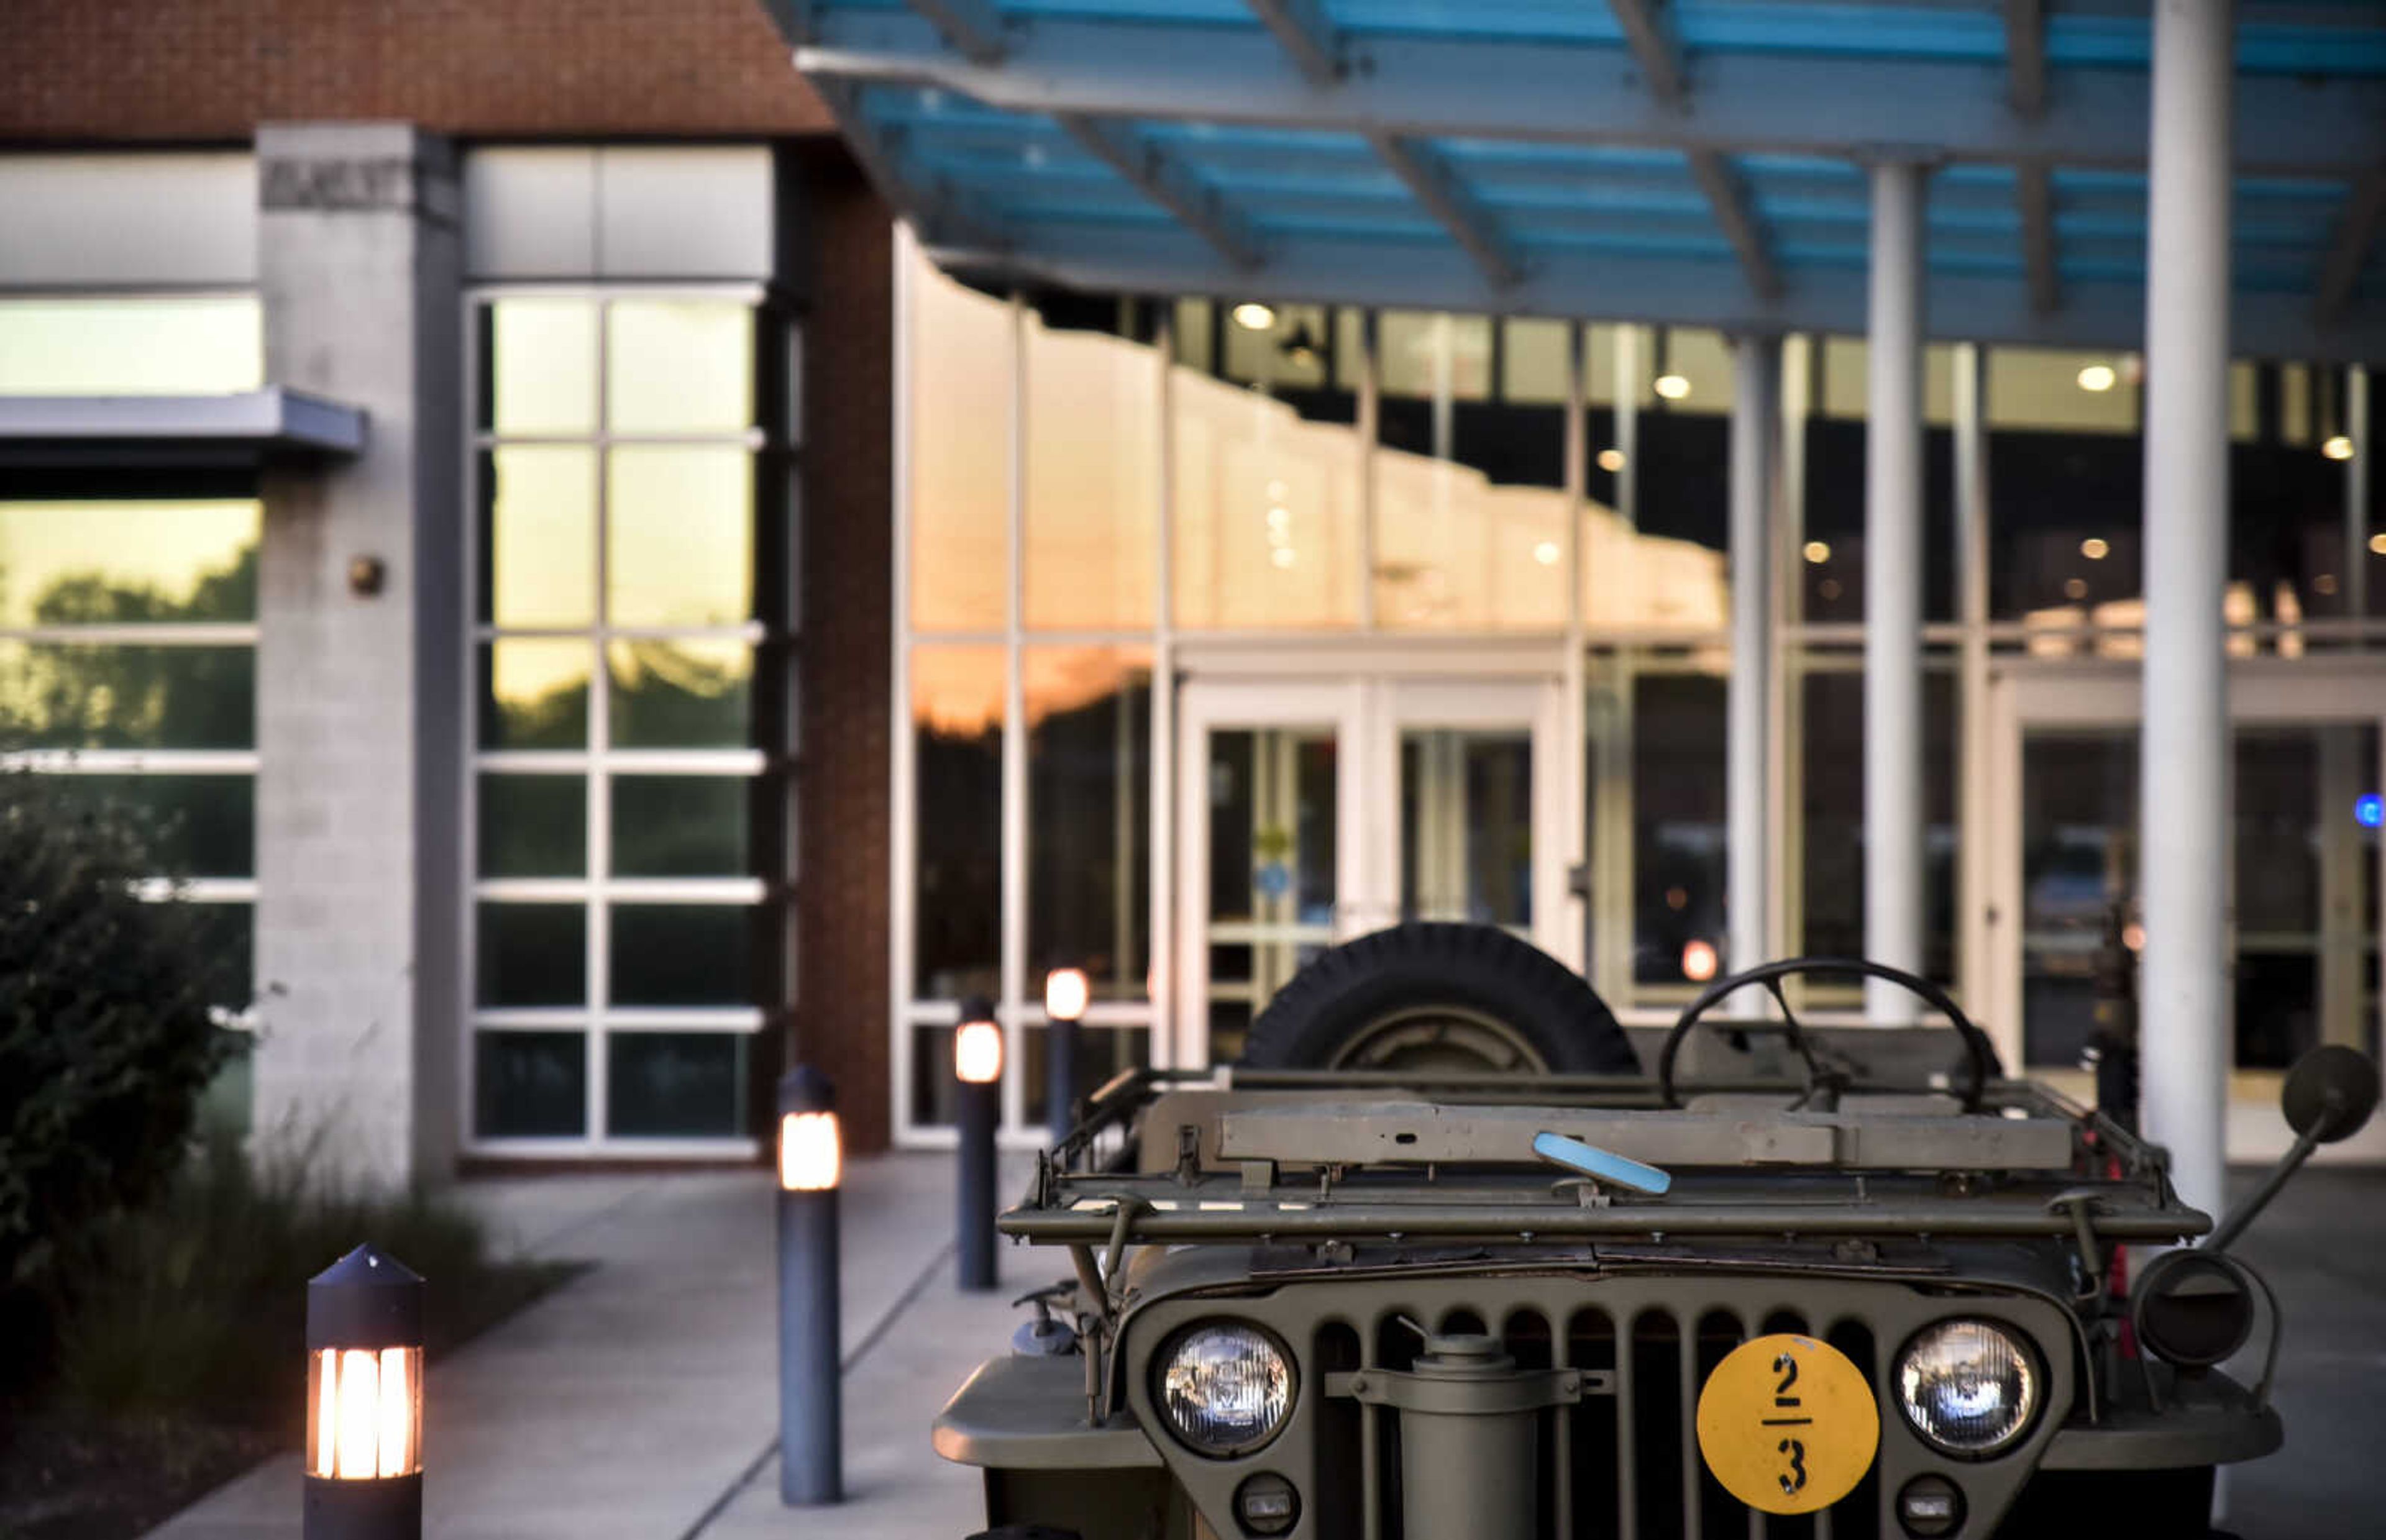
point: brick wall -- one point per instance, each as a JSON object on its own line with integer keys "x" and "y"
{"x": 166, "y": 71}
{"x": 842, "y": 801}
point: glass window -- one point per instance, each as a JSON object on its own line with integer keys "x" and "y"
{"x": 1103, "y": 1052}
{"x": 1469, "y": 518}
{"x": 1090, "y": 816}
{"x": 1267, "y": 501}
{"x": 541, "y": 364}
{"x": 681, "y": 694}
{"x": 665, "y": 784}
{"x": 534, "y": 826}
{"x": 77, "y": 694}
{"x": 128, "y": 562}
{"x": 1832, "y": 565}
{"x": 679, "y": 530}
{"x": 530, "y": 1085}
{"x": 960, "y": 454}
{"x": 1831, "y": 837}
{"x": 534, "y": 694}
{"x": 1092, "y": 480}
{"x": 683, "y": 955}
{"x": 532, "y": 954}
{"x": 957, "y": 712}
{"x": 683, "y": 826}
{"x": 2060, "y": 391}
{"x": 679, "y": 366}
{"x": 542, "y": 568}
{"x": 1678, "y": 826}
{"x": 197, "y": 825}
{"x": 128, "y": 344}
{"x": 676, "y": 1084}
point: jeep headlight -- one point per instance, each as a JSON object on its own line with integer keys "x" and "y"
{"x": 1224, "y": 1388}
{"x": 1968, "y": 1388}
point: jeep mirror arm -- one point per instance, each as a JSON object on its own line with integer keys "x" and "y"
{"x": 2329, "y": 1095}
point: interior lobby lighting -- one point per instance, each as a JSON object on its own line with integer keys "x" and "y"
{"x": 1817, "y": 552}
{"x": 2094, "y": 548}
{"x": 1699, "y": 960}
{"x": 1283, "y": 556}
{"x": 2338, "y": 448}
{"x": 2098, "y": 378}
{"x": 1672, "y": 387}
{"x": 1611, "y": 460}
{"x": 1251, "y": 316}
{"x": 2378, "y": 545}
{"x": 2075, "y": 588}
{"x": 1546, "y": 553}
{"x": 1279, "y": 517}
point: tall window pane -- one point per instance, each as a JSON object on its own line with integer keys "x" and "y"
{"x": 1092, "y": 473}
{"x": 960, "y": 454}
{"x": 1090, "y": 816}
{"x": 120, "y": 344}
{"x": 957, "y": 712}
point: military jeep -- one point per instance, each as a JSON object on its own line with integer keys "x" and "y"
{"x": 1411, "y": 1271}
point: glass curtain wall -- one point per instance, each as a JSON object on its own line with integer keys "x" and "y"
{"x": 634, "y": 519}
{"x": 1098, "y": 486}
{"x": 128, "y": 611}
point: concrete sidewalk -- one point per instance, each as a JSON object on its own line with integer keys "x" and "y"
{"x": 640, "y": 1399}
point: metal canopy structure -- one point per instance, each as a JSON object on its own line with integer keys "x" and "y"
{"x": 1676, "y": 161}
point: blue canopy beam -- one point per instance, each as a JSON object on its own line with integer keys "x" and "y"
{"x": 2348, "y": 250}
{"x": 2034, "y": 189}
{"x": 942, "y": 213}
{"x": 1569, "y": 93}
{"x": 1306, "y": 35}
{"x": 2026, "y": 56}
{"x": 1438, "y": 192}
{"x": 1159, "y": 177}
{"x": 1652, "y": 43}
{"x": 973, "y": 28}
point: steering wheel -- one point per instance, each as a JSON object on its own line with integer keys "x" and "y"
{"x": 1827, "y": 1080}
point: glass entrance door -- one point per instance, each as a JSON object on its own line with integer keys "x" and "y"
{"x": 1315, "y": 811}
{"x": 2303, "y": 859}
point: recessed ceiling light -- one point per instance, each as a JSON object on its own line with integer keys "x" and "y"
{"x": 1817, "y": 552}
{"x": 1672, "y": 387}
{"x": 1611, "y": 460}
{"x": 1547, "y": 553}
{"x": 1251, "y": 316}
{"x": 2378, "y": 545}
{"x": 2094, "y": 550}
{"x": 1283, "y": 556}
{"x": 2338, "y": 448}
{"x": 2098, "y": 378}
{"x": 2075, "y": 588}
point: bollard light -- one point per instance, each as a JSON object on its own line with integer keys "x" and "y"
{"x": 977, "y": 1065}
{"x": 1066, "y": 994}
{"x": 812, "y": 1413}
{"x": 364, "y": 1400}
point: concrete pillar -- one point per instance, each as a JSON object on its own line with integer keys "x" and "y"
{"x": 1893, "y": 820}
{"x": 1756, "y": 366}
{"x": 2184, "y": 808}
{"x": 360, "y": 784}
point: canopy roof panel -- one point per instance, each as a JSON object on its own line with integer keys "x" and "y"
{"x": 1691, "y": 162}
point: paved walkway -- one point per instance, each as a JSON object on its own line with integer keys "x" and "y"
{"x": 640, "y": 1400}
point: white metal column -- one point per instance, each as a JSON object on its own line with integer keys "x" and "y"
{"x": 1756, "y": 366}
{"x": 1892, "y": 811}
{"x": 2184, "y": 807}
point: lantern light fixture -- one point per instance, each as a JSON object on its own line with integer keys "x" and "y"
{"x": 364, "y": 1400}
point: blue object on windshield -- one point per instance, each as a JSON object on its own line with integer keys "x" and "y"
{"x": 1599, "y": 1164}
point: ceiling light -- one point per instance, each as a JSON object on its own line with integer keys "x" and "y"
{"x": 2338, "y": 448}
{"x": 1611, "y": 460}
{"x": 1279, "y": 517}
{"x": 2094, "y": 550}
{"x": 1672, "y": 387}
{"x": 2378, "y": 545}
{"x": 1283, "y": 556}
{"x": 2075, "y": 588}
{"x": 1251, "y": 316}
{"x": 2098, "y": 378}
{"x": 1817, "y": 552}
{"x": 1275, "y": 491}
{"x": 1546, "y": 553}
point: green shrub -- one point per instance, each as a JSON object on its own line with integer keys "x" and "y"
{"x": 105, "y": 1036}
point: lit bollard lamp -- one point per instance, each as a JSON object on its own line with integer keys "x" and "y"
{"x": 977, "y": 1067}
{"x": 812, "y": 1419}
{"x": 364, "y": 1400}
{"x": 1066, "y": 994}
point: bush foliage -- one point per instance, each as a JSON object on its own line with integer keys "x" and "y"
{"x": 106, "y": 1040}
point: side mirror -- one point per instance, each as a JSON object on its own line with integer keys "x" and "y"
{"x": 2331, "y": 1094}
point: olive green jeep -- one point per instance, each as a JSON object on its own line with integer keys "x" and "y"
{"x": 1439, "y": 1260}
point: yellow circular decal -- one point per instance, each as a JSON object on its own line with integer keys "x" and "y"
{"x": 1787, "y": 1424}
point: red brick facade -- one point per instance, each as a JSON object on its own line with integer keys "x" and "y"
{"x": 79, "y": 70}
{"x": 842, "y": 792}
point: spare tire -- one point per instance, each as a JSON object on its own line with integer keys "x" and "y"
{"x": 1435, "y": 997}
